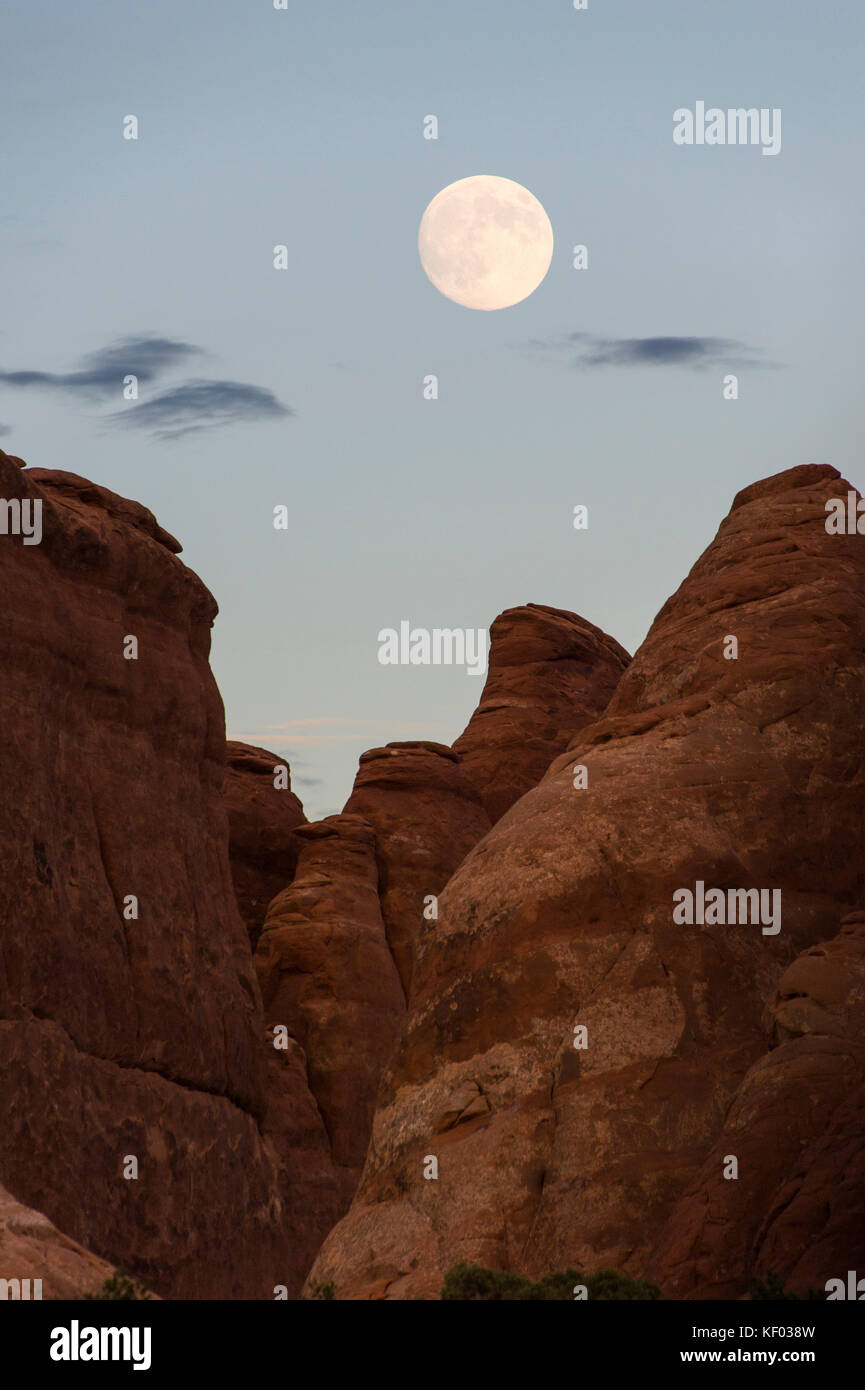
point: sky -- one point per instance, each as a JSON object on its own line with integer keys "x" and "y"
{"x": 303, "y": 387}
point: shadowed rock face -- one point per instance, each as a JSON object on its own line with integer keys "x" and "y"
{"x": 328, "y": 977}
{"x": 738, "y": 773}
{"x": 32, "y": 1248}
{"x": 426, "y": 816}
{"x": 124, "y": 1034}
{"x": 797, "y": 1130}
{"x": 550, "y": 674}
{"x": 131, "y": 1019}
{"x": 332, "y": 950}
{"x": 262, "y": 821}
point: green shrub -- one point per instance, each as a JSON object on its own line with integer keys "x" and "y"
{"x": 120, "y": 1286}
{"x": 468, "y": 1281}
{"x": 323, "y": 1291}
{"x": 772, "y": 1289}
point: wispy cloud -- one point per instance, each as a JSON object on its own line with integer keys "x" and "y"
{"x": 695, "y": 353}
{"x": 101, "y": 373}
{"x": 175, "y": 411}
{"x": 5, "y": 429}
{"x": 202, "y": 405}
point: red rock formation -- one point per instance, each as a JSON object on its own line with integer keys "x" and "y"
{"x": 13, "y": 458}
{"x": 797, "y": 1130}
{"x": 263, "y": 816}
{"x": 739, "y": 773}
{"x": 32, "y": 1248}
{"x": 550, "y": 674}
{"x": 122, "y": 1034}
{"x": 426, "y": 815}
{"x": 327, "y": 975}
{"x": 141, "y": 1035}
{"x": 332, "y": 951}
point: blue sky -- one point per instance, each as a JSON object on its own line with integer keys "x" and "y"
{"x": 305, "y": 127}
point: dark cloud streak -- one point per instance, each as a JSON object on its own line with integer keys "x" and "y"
{"x": 101, "y": 373}
{"x": 201, "y": 405}
{"x": 175, "y": 411}
{"x": 586, "y": 350}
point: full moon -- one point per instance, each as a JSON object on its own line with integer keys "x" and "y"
{"x": 485, "y": 242}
